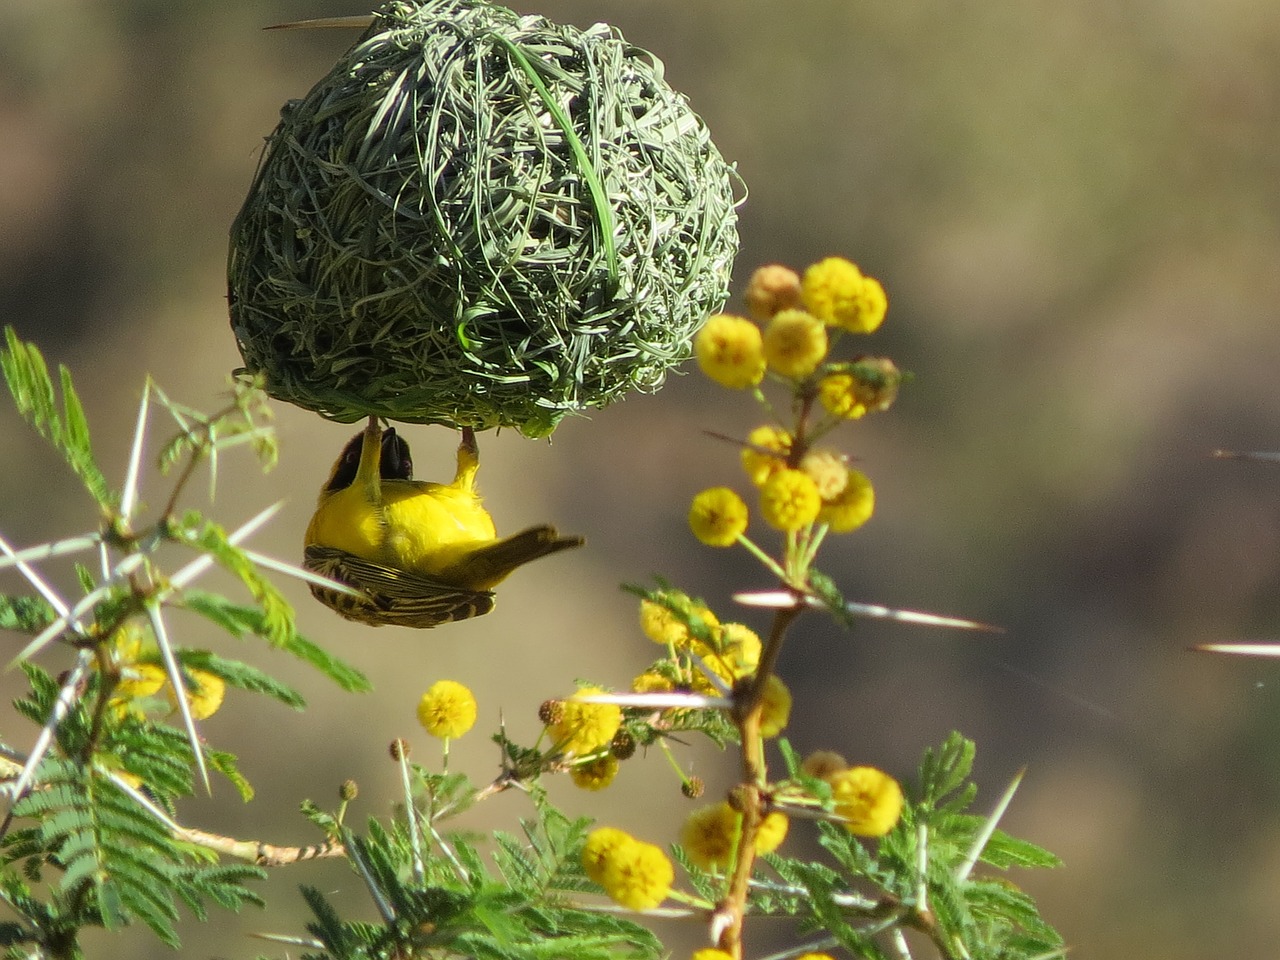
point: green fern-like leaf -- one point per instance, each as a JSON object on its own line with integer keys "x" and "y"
{"x": 830, "y": 915}
{"x": 277, "y": 625}
{"x": 27, "y": 376}
{"x": 26, "y": 614}
{"x": 709, "y": 888}
{"x": 339, "y": 939}
{"x": 240, "y": 621}
{"x": 1002, "y": 906}
{"x": 243, "y": 676}
{"x": 466, "y": 907}
{"x": 116, "y": 861}
{"x": 1002, "y": 850}
{"x": 225, "y": 764}
{"x": 832, "y": 599}
{"x": 945, "y": 770}
{"x": 853, "y": 856}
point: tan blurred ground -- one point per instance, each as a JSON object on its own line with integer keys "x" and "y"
{"x": 1074, "y": 209}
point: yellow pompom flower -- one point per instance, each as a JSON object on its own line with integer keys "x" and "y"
{"x": 638, "y": 875}
{"x": 831, "y": 290}
{"x": 595, "y": 774}
{"x": 795, "y": 342}
{"x": 853, "y": 507}
{"x": 741, "y": 646}
{"x": 870, "y": 383}
{"x": 129, "y": 641}
{"x": 823, "y": 763}
{"x": 717, "y": 517}
{"x": 710, "y": 834}
{"x": 775, "y": 706}
{"x": 711, "y": 953}
{"x": 771, "y": 832}
{"x": 719, "y": 667}
{"x": 701, "y": 618}
{"x": 828, "y": 470}
{"x": 660, "y": 625}
{"x": 789, "y": 500}
{"x": 447, "y": 710}
{"x": 205, "y": 691}
{"x": 730, "y": 351}
{"x": 869, "y": 800}
{"x": 585, "y": 727}
{"x": 814, "y": 956}
{"x": 873, "y": 304}
{"x": 602, "y": 843}
{"x": 772, "y": 288}
{"x": 765, "y": 453}
{"x": 839, "y": 395}
{"x": 650, "y": 682}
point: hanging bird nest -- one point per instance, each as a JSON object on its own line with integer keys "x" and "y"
{"x": 480, "y": 219}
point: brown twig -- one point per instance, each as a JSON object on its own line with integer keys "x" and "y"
{"x": 748, "y": 703}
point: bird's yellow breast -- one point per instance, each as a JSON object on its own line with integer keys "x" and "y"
{"x": 429, "y": 526}
{"x": 346, "y": 520}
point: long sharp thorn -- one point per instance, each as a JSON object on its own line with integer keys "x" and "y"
{"x": 203, "y": 562}
{"x": 174, "y": 672}
{"x": 989, "y": 827}
{"x": 34, "y": 578}
{"x": 1241, "y": 649}
{"x": 785, "y": 599}
{"x": 299, "y": 573}
{"x": 129, "y": 498}
{"x": 43, "y": 551}
{"x": 1261, "y": 456}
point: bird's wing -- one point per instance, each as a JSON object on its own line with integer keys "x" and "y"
{"x": 391, "y": 595}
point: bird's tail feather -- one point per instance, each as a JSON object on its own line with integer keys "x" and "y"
{"x": 488, "y": 566}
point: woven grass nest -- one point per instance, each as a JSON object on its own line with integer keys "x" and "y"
{"x": 480, "y": 219}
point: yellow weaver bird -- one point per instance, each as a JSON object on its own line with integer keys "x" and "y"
{"x": 417, "y": 553}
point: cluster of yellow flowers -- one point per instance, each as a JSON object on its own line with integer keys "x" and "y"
{"x": 802, "y": 318}
{"x": 582, "y": 728}
{"x": 706, "y": 656}
{"x": 800, "y": 485}
{"x": 865, "y": 800}
{"x": 695, "y": 637}
{"x": 710, "y": 657}
{"x": 717, "y": 677}
{"x": 635, "y": 874}
{"x": 586, "y": 737}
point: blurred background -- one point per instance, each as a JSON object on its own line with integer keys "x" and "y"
{"x": 1073, "y": 208}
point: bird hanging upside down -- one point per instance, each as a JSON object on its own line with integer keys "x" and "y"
{"x": 419, "y": 554}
